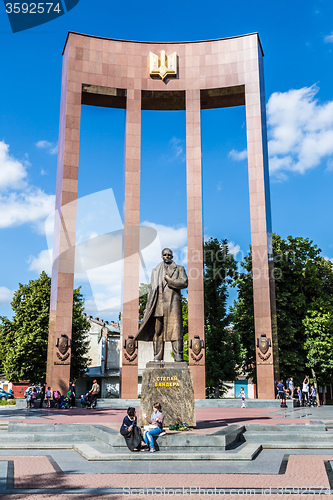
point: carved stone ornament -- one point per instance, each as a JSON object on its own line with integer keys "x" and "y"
{"x": 263, "y": 344}
{"x": 130, "y": 346}
{"x": 63, "y": 343}
{"x": 196, "y": 345}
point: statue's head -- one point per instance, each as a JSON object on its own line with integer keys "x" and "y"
{"x": 167, "y": 255}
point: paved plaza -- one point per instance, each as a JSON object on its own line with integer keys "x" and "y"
{"x": 274, "y": 472}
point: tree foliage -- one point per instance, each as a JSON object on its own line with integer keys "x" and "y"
{"x": 143, "y": 295}
{"x": 303, "y": 281}
{"x": 80, "y": 360}
{"x": 24, "y": 338}
{"x": 185, "y": 327}
{"x": 223, "y": 346}
{"x": 319, "y": 344}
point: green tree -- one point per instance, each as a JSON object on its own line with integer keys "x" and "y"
{"x": 80, "y": 360}
{"x": 185, "y": 327}
{"x": 143, "y": 295}
{"x": 6, "y": 338}
{"x": 319, "y": 344}
{"x": 25, "y": 337}
{"x": 303, "y": 281}
{"x": 223, "y": 346}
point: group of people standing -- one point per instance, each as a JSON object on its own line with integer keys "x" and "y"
{"x": 46, "y": 393}
{"x": 306, "y": 395}
{"x": 31, "y": 398}
{"x": 55, "y": 399}
{"x": 132, "y": 432}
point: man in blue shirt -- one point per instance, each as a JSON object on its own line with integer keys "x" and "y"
{"x": 282, "y": 394}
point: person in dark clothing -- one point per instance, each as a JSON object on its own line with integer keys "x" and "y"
{"x": 282, "y": 394}
{"x": 131, "y": 432}
{"x": 42, "y": 394}
{"x": 73, "y": 394}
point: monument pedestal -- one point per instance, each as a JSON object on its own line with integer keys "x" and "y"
{"x": 171, "y": 385}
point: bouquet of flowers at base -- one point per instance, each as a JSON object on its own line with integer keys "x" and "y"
{"x": 178, "y": 426}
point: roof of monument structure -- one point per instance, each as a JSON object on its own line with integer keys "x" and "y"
{"x": 163, "y": 43}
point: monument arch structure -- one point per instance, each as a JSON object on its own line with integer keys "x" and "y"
{"x": 139, "y": 76}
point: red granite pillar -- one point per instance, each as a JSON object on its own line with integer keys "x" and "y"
{"x": 261, "y": 232}
{"x": 196, "y": 315}
{"x": 61, "y": 305}
{"x": 130, "y": 314}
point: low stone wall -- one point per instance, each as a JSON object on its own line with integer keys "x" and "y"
{"x": 199, "y": 403}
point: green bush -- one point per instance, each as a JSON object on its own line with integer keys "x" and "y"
{"x": 8, "y": 402}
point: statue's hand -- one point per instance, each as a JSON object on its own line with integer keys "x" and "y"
{"x": 167, "y": 278}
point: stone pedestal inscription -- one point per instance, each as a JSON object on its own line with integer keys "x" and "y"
{"x": 171, "y": 385}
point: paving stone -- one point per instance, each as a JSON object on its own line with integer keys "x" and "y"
{"x": 3, "y": 474}
{"x": 109, "y": 477}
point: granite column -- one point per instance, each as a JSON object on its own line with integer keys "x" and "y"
{"x": 196, "y": 316}
{"x": 129, "y": 370}
{"x": 61, "y": 304}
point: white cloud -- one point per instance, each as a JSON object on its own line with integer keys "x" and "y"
{"x": 233, "y": 248}
{"x": 329, "y": 166}
{"x": 28, "y": 207}
{"x": 177, "y": 147}
{"x": 12, "y": 172}
{"x": 43, "y": 262}
{"x": 329, "y": 38}
{"x": 50, "y": 147}
{"x": 169, "y": 236}
{"x": 175, "y": 151}
{"x": 300, "y": 131}
{"x": 6, "y": 295}
{"x": 20, "y": 202}
{"x": 106, "y": 281}
{"x": 238, "y": 155}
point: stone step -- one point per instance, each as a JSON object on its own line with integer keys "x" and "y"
{"x": 311, "y": 427}
{"x": 294, "y": 437}
{"x": 199, "y": 403}
{"x": 3, "y": 425}
{"x": 300, "y": 445}
{"x": 219, "y": 441}
{"x": 45, "y": 437}
{"x": 237, "y": 402}
{"x": 35, "y": 446}
{"x": 178, "y": 442}
{"x": 20, "y": 427}
{"x": 248, "y": 452}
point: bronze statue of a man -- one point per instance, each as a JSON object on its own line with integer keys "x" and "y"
{"x": 163, "y": 319}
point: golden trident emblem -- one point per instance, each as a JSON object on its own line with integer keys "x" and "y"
{"x": 164, "y": 68}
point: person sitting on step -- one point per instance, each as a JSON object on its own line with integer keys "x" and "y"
{"x": 155, "y": 427}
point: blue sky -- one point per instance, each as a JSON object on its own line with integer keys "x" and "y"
{"x": 297, "y": 39}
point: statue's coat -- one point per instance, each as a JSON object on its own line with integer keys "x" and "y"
{"x": 164, "y": 299}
